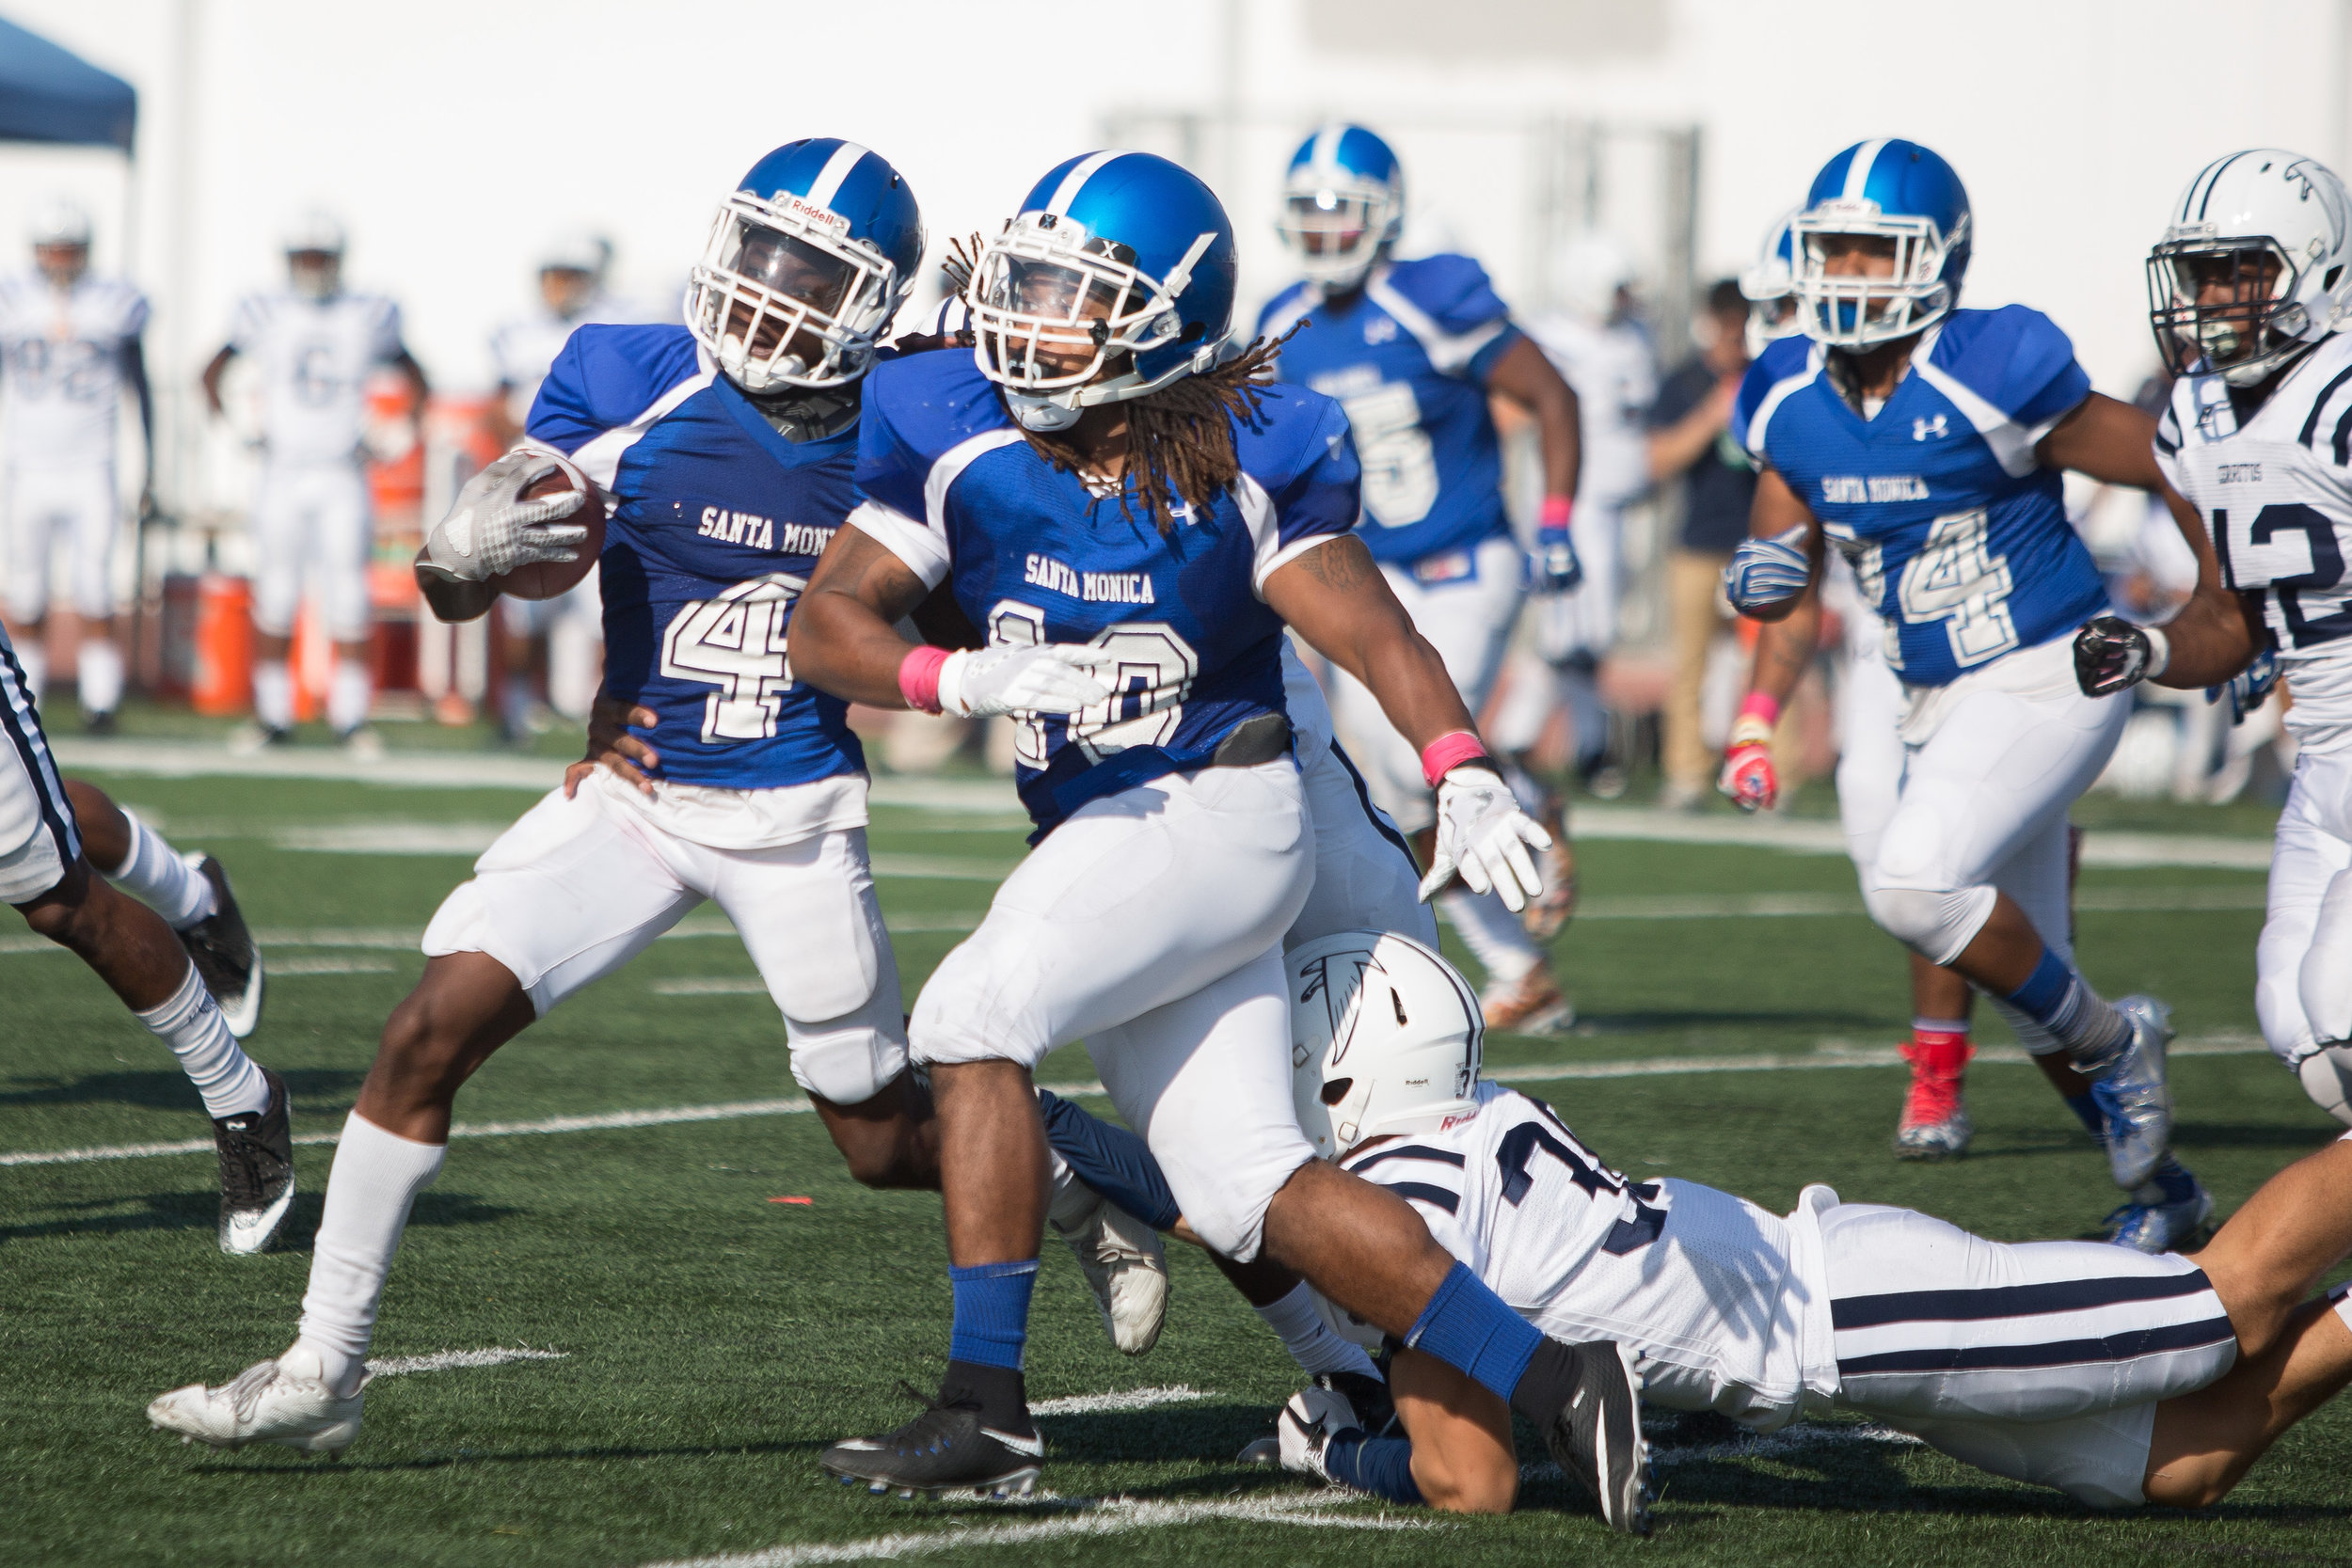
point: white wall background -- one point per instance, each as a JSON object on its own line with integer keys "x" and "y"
{"x": 453, "y": 137}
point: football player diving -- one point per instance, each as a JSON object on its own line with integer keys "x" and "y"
{"x": 1924, "y": 443}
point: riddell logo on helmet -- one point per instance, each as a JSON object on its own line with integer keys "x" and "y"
{"x": 808, "y": 211}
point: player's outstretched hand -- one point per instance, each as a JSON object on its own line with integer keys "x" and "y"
{"x": 1767, "y": 572}
{"x": 2111, "y": 654}
{"x": 1057, "y": 678}
{"x": 491, "y": 530}
{"x": 1483, "y": 836}
{"x": 610, "y": 746}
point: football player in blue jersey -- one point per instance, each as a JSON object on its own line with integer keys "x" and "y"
{"x": 1925, "y": 442}
{"x": 1412, "y": 350}
{"x": 1133, "y": 517}
{"x": 727, "y": 446}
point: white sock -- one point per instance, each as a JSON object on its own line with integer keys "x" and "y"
{"x": 1310, "y": 1339}
{"x": 347, "y": 695}
{"x": 101, "y": 678}
{"x": 191, "y": 1024}
{"x": 273, "y": 694}
{"x": 33, "y": 655}
{"x": 1491, "y": 932}
{"x": 376, "y": 1176}
{"x": 158, "y": 876}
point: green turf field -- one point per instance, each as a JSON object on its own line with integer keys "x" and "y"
{"x": 707, "y": 1340}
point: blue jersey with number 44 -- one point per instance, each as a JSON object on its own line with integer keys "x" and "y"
{"x": 1034, "y": 555}
{"x": 718, "y": 522}
{"x": 1408, "y": 356}
{"x": 1957, "y": 533}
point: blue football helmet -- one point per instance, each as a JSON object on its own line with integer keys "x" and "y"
{"x": 1769, "y": 286}
{"x": 1114, "y": 280}
{"x": 1343, "y": 203}
{"x": 1895, "y": 191}
{"x": 808, "y": 263}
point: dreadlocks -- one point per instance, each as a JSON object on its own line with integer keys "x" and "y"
{"x": 1180, "y": 439}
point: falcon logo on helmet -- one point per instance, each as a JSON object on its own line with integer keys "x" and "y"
{"x": 2254, "y": 268}
{"x": 807, "y": 265}
{"x": 1904, "y": 200}
{"x": 1385, "y": 1037}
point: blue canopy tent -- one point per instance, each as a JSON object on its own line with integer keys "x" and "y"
{"x": 48, "y": 94}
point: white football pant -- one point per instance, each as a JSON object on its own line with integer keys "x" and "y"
{"x": 39, "y": 841}
{"x": 1569, "y": 635}
{"x": 2303, "y": 966}
{"x": 311, "y": 519}
{"x": 577, "y": 887}
{"x": 1150, "y": 924}
{"x": 44, "y": 504}
{"x": 1366, "y": 878}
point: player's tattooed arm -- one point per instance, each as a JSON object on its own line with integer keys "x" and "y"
{"x": 844, "y": 636}
{"x": 2218, "y": 631}
{"x": 1334, "y": 597}
{"x": 1463, "y": 1458}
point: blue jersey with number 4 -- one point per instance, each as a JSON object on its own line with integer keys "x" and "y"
{"x": 1957, "y": 533}
{"x": 717, "y": 523}
{"x": 1408, "y": 356}
{"x": 1034, "y": 555}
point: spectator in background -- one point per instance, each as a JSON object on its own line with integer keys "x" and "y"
{"x": 71, "y": 343}
{"x": 573, "y": 267}
{"x": 315, "y": 346}
{"x": 1690, "y": 439}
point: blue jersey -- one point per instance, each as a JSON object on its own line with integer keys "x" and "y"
{"x": 1034, "y": 555}
{"x": 717, "y": 524}
{"x": 1958, "y": 535}
{"x": 1409, "y": 358}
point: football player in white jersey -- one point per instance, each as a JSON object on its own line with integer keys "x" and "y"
{"x": 68, "y": 346}
{"x": 2249, "y": 290}
{"x": 571, "y": 275}
{"x": 2116, "y": 1377}
{"x": 316, "y": 346}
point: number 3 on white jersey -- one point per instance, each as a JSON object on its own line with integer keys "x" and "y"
{"x": 1956, "y": 580}
{"x": 736, "y": 642}
{"x": 1157, "y": 669}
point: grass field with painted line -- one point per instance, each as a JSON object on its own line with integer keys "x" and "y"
{"x": 711, "y": 1340}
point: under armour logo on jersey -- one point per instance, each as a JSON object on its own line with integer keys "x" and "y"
{"x": 1929, "y": 429}
{"x": 1380, "y": 329}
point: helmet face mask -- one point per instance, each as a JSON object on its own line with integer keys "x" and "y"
{"x": 2254, "y": 268}
{"x": 314, "y": 273}
{"x": 784, "y": 297}
{"x": 1385, "y": 1039}
{"x": 1857, "y": 309}
{"x": 62, "y": 264}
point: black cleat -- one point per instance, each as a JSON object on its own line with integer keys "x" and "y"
{"x": 1369, "y": 1397}
{"x": 257, "y": 1176}
{"x": 1597, "y": 1437}
{"x": 942, "y": 1452}
{"x": 224, "y": 953}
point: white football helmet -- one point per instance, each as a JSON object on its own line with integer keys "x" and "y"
{"x": 1385, "y": 1037}
{"x": 59, "y": 220}
{"x": 1769, "y": 285}
{"x": 2254, "y": 267}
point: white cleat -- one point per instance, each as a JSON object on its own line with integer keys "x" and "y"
{"x": 1124, "y": 1260}
{"x": 2133, "y": 1091}
{"x": 265, "y": 1404}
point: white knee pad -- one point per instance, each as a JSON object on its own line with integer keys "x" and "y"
{"x": 2327, "y": 1075}
{"x": 2099, "y": 1459}
{"x": 2324, "y": 981}
{"x": 1934, "y": 922}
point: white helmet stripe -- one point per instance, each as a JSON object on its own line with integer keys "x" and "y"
{"x": 1324, "y": 158}
{"x": 836, "y": 169}
{"x": 1858, "y": 172}
{"x": 1075, "y": 181}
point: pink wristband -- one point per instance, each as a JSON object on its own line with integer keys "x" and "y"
{"x": 918, "y": 677}
{"x": 1447, "y": 753}
{"x": 1759, "y": 704}
{"x": 1556, "y": 511}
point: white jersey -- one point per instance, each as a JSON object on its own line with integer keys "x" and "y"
{"x": 315, "y": 357}
{"x": 1615, "y": 378}
{"x": 1704, "y": 1286}
{"x": 2276, "y": 494}
{"x": 524, "y": 347}
{"x": 61, "y": 386}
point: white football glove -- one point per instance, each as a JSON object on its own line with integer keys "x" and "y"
{"x": 1308, "y": 1424}
{"x": 491, "y": 530}
{"x": 1057, "y": 677}
{"x": 1483, "y": 834}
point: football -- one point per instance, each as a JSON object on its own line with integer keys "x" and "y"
{"x": 544, "y": 579}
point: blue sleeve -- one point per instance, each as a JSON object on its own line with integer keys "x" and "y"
{"x": 889, "y": 469}
{"x": 1753, "y": 387}
{"x": 2019, "y": 361}
{"x": 1111, "y": 1159}
{"x": 1324, "y": 492}
{"x": 1380, "y": 1465}
{"x": 604, "y": 378}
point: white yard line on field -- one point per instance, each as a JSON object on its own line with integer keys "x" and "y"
{"x": 1833, "y": 1053}
{"x": 1132, "y": 1399}
{"x": 1107, "y": 1516}
{"x": 455, "y": 1360}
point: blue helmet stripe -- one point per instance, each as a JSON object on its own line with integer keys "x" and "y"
{"x": 1075, "y": 181}
{"x": 827, "y": 185}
